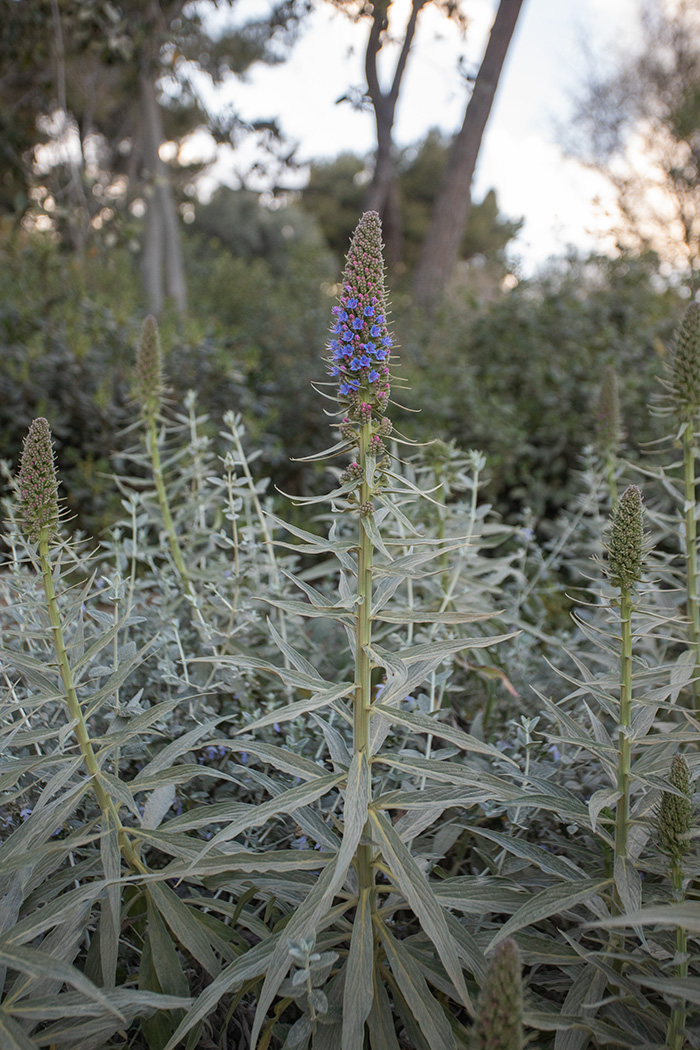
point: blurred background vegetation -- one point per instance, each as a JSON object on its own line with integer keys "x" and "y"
{"x": 100, "y": 224}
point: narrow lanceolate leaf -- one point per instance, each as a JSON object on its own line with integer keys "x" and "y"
{"x": 422, "y": 724}
{"x": 251, "y": 964}
{"x": 72, "y": 1004}
{"x": 537, "y": 855}
{"x": 287, "y": 802}
{"x": 687, "y": 988}
{"x": 686, "y": 914}
{"x": 414, "y": 988}
{"x": 359, "y": 977}
{"x": 552, "y": 901}
{"x": 185, "y": 925}
{"x": 301, "y": 707}
{"x": 428, "y": 616}
{"x": 416, "y": 889}
{"x": 36, "y": 963}
{"x": 110, "y": 917}
{"x": 12, "y": 1036}
{"x": 382, "y": 1031}
{"x": 281, "y": 759}
{"x": 305, "y": 920}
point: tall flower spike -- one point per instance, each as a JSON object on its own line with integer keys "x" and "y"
{"x": 149, "y": 375}
{"x": 500, "y": 1014}
{"x": 626, "y": 546}
{"x": 685, "y": 364}
{"x": 38, "y": 484}
{"x": 675, "y": 812}
{"x": 608, "y": 420}
{"x": 360, "y": 346}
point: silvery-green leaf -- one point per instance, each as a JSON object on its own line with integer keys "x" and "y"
{"x": 422, "y": 724}
{"x": 359, "y": 977}
{"x": 419, "y": 999}
{"x": 418, "y": 893}
{"x": 301, "y": 707}
{"x": 305, "y": 919}
{"x": 552, "y": 901}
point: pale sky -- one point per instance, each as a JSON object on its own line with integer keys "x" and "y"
{"x": 519, "y": 157}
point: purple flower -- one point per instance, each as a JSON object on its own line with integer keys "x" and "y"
{"x": 362, "y": 308}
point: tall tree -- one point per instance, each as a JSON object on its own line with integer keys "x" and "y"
{"x": 640, "y": 126}
{"x": 122, "y": 77}
{"x": 451, "y": 211}
{"x": 383, "y": 191}
{"x": 383, "y": 194}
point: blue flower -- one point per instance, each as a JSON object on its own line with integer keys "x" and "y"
{"x": 365, "y": 361}
{"x": 355, "y": 364}
{"x": 347, "y": 336}
{"x": 368, "y": 311}
{"x": 373, "y": 376}
{"x": 357, "y": 323}
{"x": 380, "y": 353}
{"x": 351, "y": 303}
{"x": 375, "y": 330}
{"x": 386, "y": 341}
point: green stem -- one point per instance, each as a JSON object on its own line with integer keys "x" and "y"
{"x": 105, "y": 801}
{"x": 677, "y": 1021}
{"x": 691, "y": 572}
{"x": 624, "y": 743}
{"x": 624, "y": 752}
{"x": 363, "y": 638}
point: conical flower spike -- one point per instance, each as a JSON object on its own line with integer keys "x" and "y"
{"x": 608, "y": 419}
{"x": 685, "y": 364}
{"x": 38, "y": 484}
{"x": 360, "y": 348}
{"x": 149, "y": 375}
{"x": 499, "y": 1024}
{"x": 626, "y": 546}
{"x": 675, "y": 812}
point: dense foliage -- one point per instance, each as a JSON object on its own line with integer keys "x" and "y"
{"x": 343, "y": 771}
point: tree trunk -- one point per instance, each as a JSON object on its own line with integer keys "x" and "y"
{"x": 383, "y": 192}
{"x": 162, "y": 254}
{"x": 451, "y": 210}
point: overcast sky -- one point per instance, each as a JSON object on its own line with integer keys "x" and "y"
{"x": 519, "y": 155}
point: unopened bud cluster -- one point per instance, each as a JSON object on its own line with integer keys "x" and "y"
{"x": 626, "y": 545}
{"x": 685, "y": 364}
{"x": 499, "y": 1023}
{"x": 608, "y": 418}
{"x": 675, "y": 812}
{"x": 38, "y": 484}
{"x": 149, "y": 373}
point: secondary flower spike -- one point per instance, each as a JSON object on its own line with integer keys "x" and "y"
{"x": 685, "y": 364}
{"x": 626, "y": 546}
{"x": 149, "y": 374}
{"x": 38, "y": 485}
{"x": 360, "y": 346}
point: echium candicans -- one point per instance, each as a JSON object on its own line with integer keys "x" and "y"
{"x": 38, "y": 484}
{"x": 360, "y": 347}
{"x": 149, "y": 373}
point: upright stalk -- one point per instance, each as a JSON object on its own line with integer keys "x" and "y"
{"x": 691, "y": 566}
{"x": 684, "y": 388}
{"x": 625, "y": 565}
{"x": 75, "y": 711}
{"x": 38, "y": 490}
{"x": 363, "y": 639}
{"x": 674, "y": 820}
{"x": 624, "y": 748}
